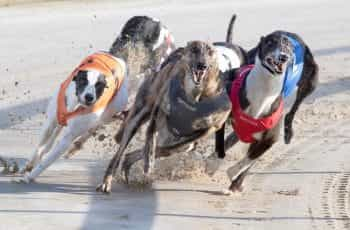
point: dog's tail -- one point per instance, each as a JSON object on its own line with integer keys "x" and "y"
{"x": 230, "y": 29}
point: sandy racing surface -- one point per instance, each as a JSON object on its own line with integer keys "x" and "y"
{"x": 303, "y": 185}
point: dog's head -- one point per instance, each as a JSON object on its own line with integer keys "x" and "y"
{"x": 143, "y": 43}
{"x": 200, "y": 59}
{"x": 275, "y": 52}
{"x": 89, "y": 86}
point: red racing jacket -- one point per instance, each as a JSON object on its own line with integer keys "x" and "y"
{"x": 244, "y": 125}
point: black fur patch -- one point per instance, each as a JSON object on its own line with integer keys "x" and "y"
{"x": 100, "y": 85}
{"x": 81, "y": 81}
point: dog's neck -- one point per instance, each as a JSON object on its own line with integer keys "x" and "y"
{"x": 262, "y": 90}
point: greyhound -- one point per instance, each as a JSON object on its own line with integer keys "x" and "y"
{"x": 188, "y": 84}
{"x": 282, "y": 63}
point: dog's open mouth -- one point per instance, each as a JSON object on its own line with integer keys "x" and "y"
{"x": 199, "y": 75}
{"x": 273, "y": 66}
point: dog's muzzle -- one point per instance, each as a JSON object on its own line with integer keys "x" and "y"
{"x": 276, "y": 64}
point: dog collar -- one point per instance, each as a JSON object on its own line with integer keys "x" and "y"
{"x": 104, "y": 63}
{"x": 244, "y": 125}
{"x": 187, "y": 118}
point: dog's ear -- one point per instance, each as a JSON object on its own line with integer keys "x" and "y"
{"x": 77, "y": 75}
{"x": 258, "y": 48}
{"x": 75, "y": 78}
{"x": 262, "y": 38}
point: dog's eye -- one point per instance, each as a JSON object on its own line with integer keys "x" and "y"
{"x": 100, "y": 85}
{"x": 269, "y": 43}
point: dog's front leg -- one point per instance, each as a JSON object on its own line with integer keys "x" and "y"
{"x": 238, "y": 172}
{"x": 48, "y": 136}
{"x": 52, "y": 156}
{"x": 130, "y": 130}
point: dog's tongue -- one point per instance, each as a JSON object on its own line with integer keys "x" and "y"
{"x": 279, "y": 67}
{"x": 200, "y": 73}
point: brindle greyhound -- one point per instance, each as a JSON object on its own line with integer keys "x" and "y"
{"x": 282, "y": 63}
{"x": 188, "y": 84}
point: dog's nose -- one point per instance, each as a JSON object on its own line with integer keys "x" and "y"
{"x": 89, "y": 98}
{"x": 283, "y": 57}
{"x": 201, "y": 66}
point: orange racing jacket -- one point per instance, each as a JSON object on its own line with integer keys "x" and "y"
{"x": 107, "y": 65}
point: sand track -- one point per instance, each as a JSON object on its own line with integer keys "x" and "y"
{"x": 304, "y": 185}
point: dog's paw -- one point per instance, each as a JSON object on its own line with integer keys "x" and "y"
{"x": 25, "y": 169}
{"x": 229, "y": 192}
{"x": 147, "y": 180}
{"x": 236, "y": 186}
{"x": 23, "y": 180}
{"x": 106, "y": 186}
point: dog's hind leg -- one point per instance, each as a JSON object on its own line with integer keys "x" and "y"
{"x": 149, "y": 150}
{"x": 77, "y": 145}
{"x": 129, "y": 161}
{"x": 307, "y": 85}
{"x": 128, "y": 133}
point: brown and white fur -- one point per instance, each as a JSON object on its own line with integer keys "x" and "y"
{"x": 260, "y": 96}
{"x": 196, "y": 66}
